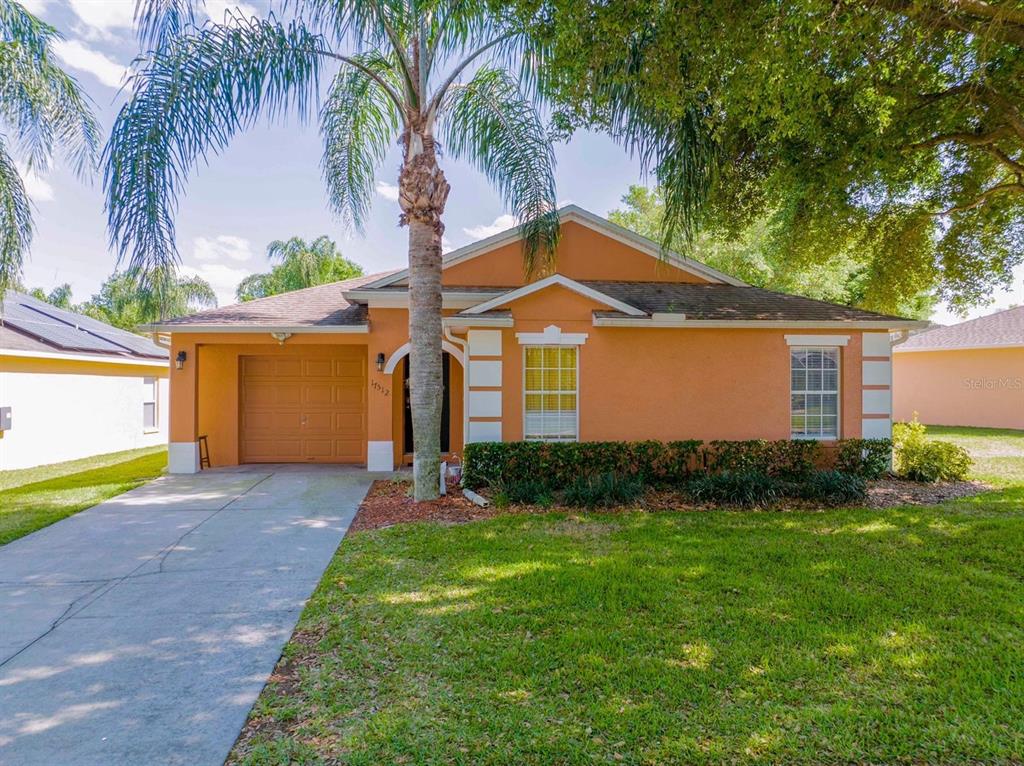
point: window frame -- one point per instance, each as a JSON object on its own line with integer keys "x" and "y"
{"x": 838, "y": 392}
{"x": 151, "y": 387}
{"x": 575, "y": 392}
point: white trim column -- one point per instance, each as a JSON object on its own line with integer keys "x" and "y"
{"x": 183, "y": 457}
{"x": 876, "y": 382}
{"x": 483, "y": 386}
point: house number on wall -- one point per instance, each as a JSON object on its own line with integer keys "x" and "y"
{"x": 378, "y": 387}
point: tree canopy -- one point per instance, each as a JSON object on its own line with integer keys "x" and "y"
{"x": 298, "y": 264}
{"x": 123, "y": 302}
{"x": 891, "y": 129}
{"x": 759, "y": 254}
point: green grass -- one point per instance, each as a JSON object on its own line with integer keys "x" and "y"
{"x": 847, "y": 636}
{"x": 998, "y": 452}
{"x": 33, "y": 498}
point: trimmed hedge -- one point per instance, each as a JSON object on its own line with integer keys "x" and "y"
{"x": 867, "y": 458}
{"x": 559, "y": 464}
{"x": 783, "y": 459}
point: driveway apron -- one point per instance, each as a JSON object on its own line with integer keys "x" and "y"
{"x": 142, "y": 630}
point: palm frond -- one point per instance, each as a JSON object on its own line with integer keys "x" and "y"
{"x": 358, "y": 122}
{"x": 43, "y": 105}
{"x": 15, "y": 221}
{"x": 489, "y": 122}
{"x": 159, "y": 22}
{"x": 189, "y": 99}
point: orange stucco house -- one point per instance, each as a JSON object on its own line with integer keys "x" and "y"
{"x": 967, "y": 374}
{"x": 613, "y": 342}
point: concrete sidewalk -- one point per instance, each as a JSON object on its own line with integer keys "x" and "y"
{"x": 142, "y": 630}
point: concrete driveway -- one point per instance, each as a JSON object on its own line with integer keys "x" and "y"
{"x": 142, "y": 630}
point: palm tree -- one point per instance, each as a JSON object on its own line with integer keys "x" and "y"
{"x": 299, "y": 264}
{"x": 41, "y": 109}
{"x": 403, "y": 73}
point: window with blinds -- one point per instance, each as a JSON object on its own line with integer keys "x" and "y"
{"x": 550, "y": 412}
{"x": 814, "y": 393}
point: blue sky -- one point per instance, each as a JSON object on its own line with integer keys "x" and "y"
{"x": 267, "y": 185}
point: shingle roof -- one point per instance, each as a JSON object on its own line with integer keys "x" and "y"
{"x": 34, "y": 325}
{"x": 320, "y": 306}
{"x": 1004, "y": 328}
{"x": 728, "y": 302}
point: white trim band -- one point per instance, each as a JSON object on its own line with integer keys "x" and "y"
{"x": 552, "y": 336}
{"x": 135, "y": 362}
{"x": 248, "y": 328}
{"x": 817, "y": 340}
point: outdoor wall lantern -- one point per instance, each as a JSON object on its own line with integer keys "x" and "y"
{"x": 179, "y": 360}
{"x": 380, "y": 362}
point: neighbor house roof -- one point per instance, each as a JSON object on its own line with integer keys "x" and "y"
{"x": 322, "y": 308}
{"x": 30, "y": 326}
{"x": 1004, "y": 329}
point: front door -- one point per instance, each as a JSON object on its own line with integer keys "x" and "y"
{"x": 445, "y": 406}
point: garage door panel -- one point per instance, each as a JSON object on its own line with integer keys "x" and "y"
{"x": 318, "y": 368}
{"x": 273, "y": 450}
{"x": 350, "y": 368}
{"x": 352, "y": 422}
{"x": 318, "y": 394}
{"x": 309, "y": 408}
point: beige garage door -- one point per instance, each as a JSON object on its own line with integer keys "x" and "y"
{"x": 304, "y": 409}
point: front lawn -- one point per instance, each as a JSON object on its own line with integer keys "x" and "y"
{"x": 33, "y": 498}
{"x": 647, "y": 638}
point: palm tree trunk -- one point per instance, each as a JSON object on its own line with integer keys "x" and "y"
{"x": 422, "y": 196}
{"x": 425, "y": 381}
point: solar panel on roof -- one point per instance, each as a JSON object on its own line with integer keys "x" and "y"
{"x": 71, "y": 331}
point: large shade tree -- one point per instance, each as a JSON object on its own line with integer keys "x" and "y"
{"x": 298, "y": 264}
{"x": 889, "y": 128}
{"x": 42, "y": 110}
{"x": 125, "y": 302}
{"x": 447, "y": 73}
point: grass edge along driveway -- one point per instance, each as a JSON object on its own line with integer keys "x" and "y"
{"x": 33, "y": 498}
{"x": 843, "y": 636}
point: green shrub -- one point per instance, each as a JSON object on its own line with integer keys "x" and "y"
{"x": 921, "y": 459}
{"x": 868, "y": 458}
{"x": 528, "y": 491}
{"x": 558, "y": 464}
{"x": 834, "y": 487}
{"x": 604, "y": 490}
{"x": 785, "y": 458}
{"x": 748, "y": 488}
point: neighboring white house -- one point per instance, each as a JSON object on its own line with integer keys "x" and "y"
{"x": 71, "y": 386}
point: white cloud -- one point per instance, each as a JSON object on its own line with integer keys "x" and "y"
{"x": 387, "y": 191}
{"x": 565, "y": 202}
{"x": 105, "y": 16}
{"x": 501, "y": 223}
{"x": 224, "y": 247}
{"x": 81, "y": 57}
{"x": 223, "y": 279}
{"x": 35, "y": 185}
{"x": 216, "y": 10}
{"x": 446, "y": 245}
{"x": 35, "y": 7}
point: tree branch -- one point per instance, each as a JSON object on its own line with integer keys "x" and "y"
{"x": 371, "y": 74}
{"x": 1008, "y": 187}
{"x": 963, "y": 137}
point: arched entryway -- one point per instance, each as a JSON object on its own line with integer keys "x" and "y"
{"x": 452, "y": 408}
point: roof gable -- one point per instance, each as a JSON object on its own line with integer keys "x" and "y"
{"x": 572, "y": 214}
{"x": 556, "y": 279}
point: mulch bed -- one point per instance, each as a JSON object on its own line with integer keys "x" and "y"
{"x": 389, "y": 502}
{"x": 888, "y": 493}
